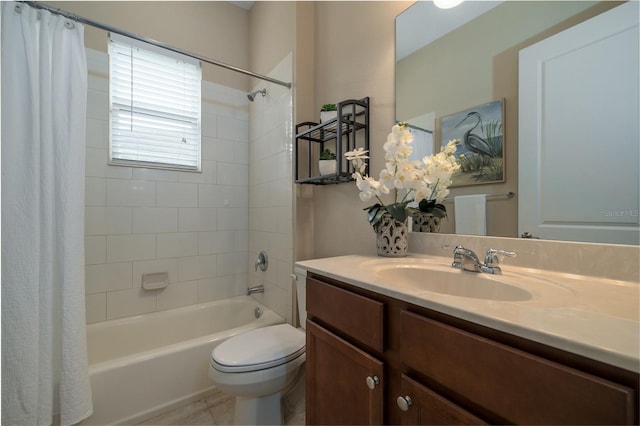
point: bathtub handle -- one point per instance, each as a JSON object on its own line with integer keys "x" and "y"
{"x": 262, "y": 261}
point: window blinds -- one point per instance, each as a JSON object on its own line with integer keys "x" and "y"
{"x": 155, "y": 106}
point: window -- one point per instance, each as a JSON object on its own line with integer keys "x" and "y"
{"x": 154, "y": 98}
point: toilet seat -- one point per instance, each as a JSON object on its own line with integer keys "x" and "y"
{"x": 259, "y": 349}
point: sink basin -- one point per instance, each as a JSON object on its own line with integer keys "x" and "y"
{"x": 453, "y": 282}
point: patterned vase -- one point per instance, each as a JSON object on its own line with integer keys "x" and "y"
{"x": 391, "y": 237}
{"x": 425, "y": 222}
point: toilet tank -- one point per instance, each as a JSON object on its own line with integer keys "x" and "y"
{"x": 301, "y": 292}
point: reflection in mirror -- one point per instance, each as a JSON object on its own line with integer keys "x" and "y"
{"x": 473, "y": 60}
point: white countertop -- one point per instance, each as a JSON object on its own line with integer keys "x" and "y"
{"x": 594, "y": 317}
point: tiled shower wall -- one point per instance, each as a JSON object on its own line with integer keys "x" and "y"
{"x": 271, "y": 190}
{"x": 192, "y": 225}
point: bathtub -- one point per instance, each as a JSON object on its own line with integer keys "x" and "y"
{"x": 142, "y": 366}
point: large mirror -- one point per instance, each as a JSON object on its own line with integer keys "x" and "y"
{"x": 453, "y": 60}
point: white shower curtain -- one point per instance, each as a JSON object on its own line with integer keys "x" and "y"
{"x": 44, "y": 96}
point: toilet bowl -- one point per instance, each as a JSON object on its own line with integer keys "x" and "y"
{"x": 259, "y": 367}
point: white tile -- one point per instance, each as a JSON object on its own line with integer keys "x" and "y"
{"x": 231, "y": 263}
{"x": 241, "y": 196}
{"x": 259, "y": 194}
{"x": 95, "y": 250}
{"x": 284, "y": 269}
{"x": 214, "y": 149}
{"x": 241, "y": 153}
{"x": 221, "y": 107}
{"x": 284, "y": 221}
{"x": 241, "y": 240}
{"x": 197, "y": 219}
{"x": 281, "y": 165}
{"x": 99, "y": 83}
{"x": 135, "y": 301}
{"x": 97, "y": 61}
{"x": 211, "y": 90}
{"x": 216, "y": 288}
{"x": 232, "y": 174}
{"x": 176, "y": 295}
{"x": 215, "y": 195}
{"x": 169, "y": 266}
{"x": 178, "y": 244}
{"x": 232, "y": 219}
{"x": 147, "y": 220}
{"x": 107, "y": 277}
{"x": 177, "y": 194}
{"x": 97, "y": 104}
{"x": 281, "y": 192}
{"x": 96, "y": 165}
{"x": 158, "y": 175}
{"x": 123, "y": 248}
{"x": 107, "y": 220}
{"x": 97, "y": 133}
{"x": 223, "y": 150}
{"x": 196, "y": 267}
{"x": 258, "y": 241}
{"x": 275, "y": 298}
{"x": 209, "y": 126}
{"x": 233, "y": 129}
{"x": 96, "y": 307}
{"x": 134, "y": 193}
{"x": 95, "y": 191}
{"x": 207, "y": 175}
{"x": 240, "y": 284}
{"x": 215, "y": 242}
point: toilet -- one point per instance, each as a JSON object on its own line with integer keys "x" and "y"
{"x": 260, "y": 366}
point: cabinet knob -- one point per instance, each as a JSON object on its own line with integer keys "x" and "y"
{"x": 404, "y": 402}
{"x": 372, "y": 382}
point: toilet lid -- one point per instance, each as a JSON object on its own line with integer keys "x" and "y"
{"x": 259, "y": 349}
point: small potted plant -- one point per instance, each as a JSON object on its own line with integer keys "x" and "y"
{"x": 328, "y": 112}
{"x": 327, "y": 162}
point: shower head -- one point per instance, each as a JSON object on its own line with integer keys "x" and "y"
{"x": 251, "y": 96}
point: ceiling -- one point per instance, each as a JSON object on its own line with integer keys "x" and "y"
{"x": 426, "y": 23}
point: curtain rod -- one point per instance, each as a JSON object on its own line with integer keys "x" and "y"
{"x": 152, "y": 42}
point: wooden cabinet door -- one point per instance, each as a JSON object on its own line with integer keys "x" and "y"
{"x": 514, "y": 386}
{"x": 337, "y": 389}
{"x": 425, "y": 407}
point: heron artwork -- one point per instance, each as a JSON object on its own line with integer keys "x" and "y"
{"x": 480, "y": 152}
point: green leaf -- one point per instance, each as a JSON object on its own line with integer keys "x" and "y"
{"x": 438, "y": 210}
{"x": 372, "y": 212}
{"x": 398, "y": 211}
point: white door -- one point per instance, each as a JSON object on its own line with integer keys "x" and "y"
{"x": 578, "y": 137}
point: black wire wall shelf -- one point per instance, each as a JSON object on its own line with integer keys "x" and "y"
{"x": 347, "y": 131}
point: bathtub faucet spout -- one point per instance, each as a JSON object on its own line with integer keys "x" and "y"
{"x": 256, "y": 289}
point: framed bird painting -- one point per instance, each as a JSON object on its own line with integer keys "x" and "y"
{"x": 480, "y": 149}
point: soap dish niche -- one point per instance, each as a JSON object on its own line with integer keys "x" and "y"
{"x": 155, "y": 280}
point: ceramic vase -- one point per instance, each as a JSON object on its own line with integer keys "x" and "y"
{"x": 425, "y": 222}
{"x": 391, "y": 237}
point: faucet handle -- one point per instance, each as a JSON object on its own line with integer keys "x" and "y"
{"x": 457, "y": 257}
{"x": 262, "y": 261}
{"x": 491, "y": 259}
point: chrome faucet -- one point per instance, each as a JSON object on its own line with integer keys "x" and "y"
{"x": 257, "y": 289}
{"x": 467, "y": 260}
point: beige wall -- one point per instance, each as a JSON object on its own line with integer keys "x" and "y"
{"x": 354, "y": 58}
{"x": 214, "y": 29}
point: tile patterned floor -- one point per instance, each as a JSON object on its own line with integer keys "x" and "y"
{"x": 217, "y": 409}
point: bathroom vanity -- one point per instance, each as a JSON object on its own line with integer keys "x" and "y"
{"x": 380, "y": 352}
